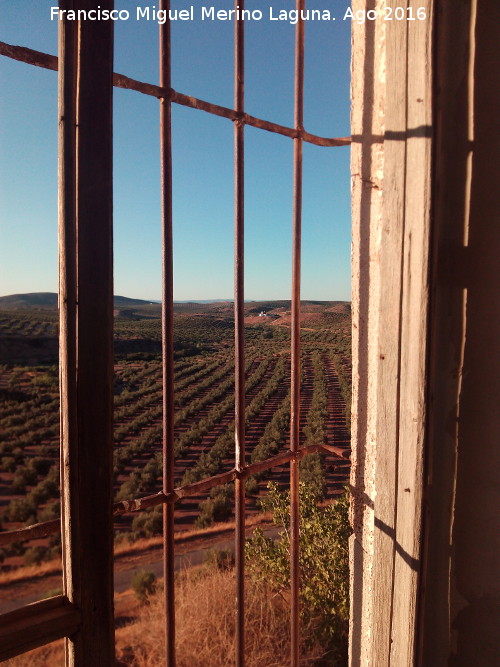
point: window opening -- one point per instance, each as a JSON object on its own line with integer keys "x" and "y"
{"x": 66, "y": 614}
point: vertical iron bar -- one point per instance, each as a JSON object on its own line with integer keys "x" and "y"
{"x": 167, "y": 335}
{"x": 295, "y": 335}
{"x": 239, "y": 331}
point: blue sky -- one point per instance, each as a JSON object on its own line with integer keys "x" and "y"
{"x": 202, "y": 62}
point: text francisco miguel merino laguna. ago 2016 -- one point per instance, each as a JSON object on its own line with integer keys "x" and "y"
{"x": 211, "y": 13}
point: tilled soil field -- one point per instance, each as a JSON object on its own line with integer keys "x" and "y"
{"x": 29, "y": 430}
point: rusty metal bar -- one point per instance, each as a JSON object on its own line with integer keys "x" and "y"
{"x": 39, "y": 59}
{"x": 295, "y": 342}
{"x": 29, "y": 56}
{"x": 138, "y": 504}
{"x": 239, "y": 329}
{"x": 259, "y": 123}
{"x": 285, "y": 457}
{"x": 167, "y": 335}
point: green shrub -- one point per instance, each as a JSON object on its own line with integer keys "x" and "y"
{"x": 324, "y": 568}
{"x": 150, "y": 474}
{"x": 124, "y": 536}
{"x": 35, "y": 555}
{"x": 40, "y": 465}
{"x": 8, "y": 464}
{"x": 148, "y": 523}
{"x": 23, "y": 477}
{"x": 44, "y": 490}
{"x": 143, "y": 584}
{"x": 15, "y": 549}
{"x": 20, "y": 509}
{"x": 218, "y": 507}
{"x": 51, "y": 511}
{"x": 130, "y": 488}
{"x": 219, "y": 559}
{"x": 312, "y": 473}
{"x": 251, "y": 486}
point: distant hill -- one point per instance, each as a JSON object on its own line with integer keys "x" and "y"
{"x": 313, "y": 314}
{"x": 125, "y": 302}
{"x": 136, "y": 309}
{"x": 205, "y": 301}
{"x": 48, "y": 301}
{"x": 307, "y": 306}
{"x": 31, "y": 300}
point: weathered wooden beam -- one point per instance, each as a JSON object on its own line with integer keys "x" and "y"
{"x": 68, "y": 299}
{"x": 37, "y": 624}
{"x": 414, "y": 341}
{"x": 30, "y": 532}
{"x": 86, "y": 339}
{"x": 388, "y": 363}
{"x": 392, "y": 99}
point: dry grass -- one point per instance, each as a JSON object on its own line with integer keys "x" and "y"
{"x": 216, "y": 529}
{"x": 51, "y": 655}
{"x": 30, "y": 572}
{"x": 205, "y": 623}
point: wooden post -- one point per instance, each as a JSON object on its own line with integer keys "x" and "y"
{"x": 86, "y": 329}
{"x": 391, "y": 166}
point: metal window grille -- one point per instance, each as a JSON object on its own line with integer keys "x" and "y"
{"x": 84, "y": 614}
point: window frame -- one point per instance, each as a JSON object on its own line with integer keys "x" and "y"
{"x": 84, "y": 613}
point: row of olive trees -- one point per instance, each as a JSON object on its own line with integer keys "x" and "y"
{"x": 141, "y": 481}
{"x": 212, "y": 462}
{"x": 311, "y": 467}
{"x": 150, "y": 437}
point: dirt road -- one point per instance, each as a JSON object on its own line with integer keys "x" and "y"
{"x": 13, "y": 597}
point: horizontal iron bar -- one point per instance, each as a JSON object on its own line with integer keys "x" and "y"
{"x": 245, "y": 118}
{"x": 206, "y": 484}
{"x": 37, "y": 624}
{"x": 138, "y": 504}
{"x": 39, "y": 59}
{"x": 46, "y": 528}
